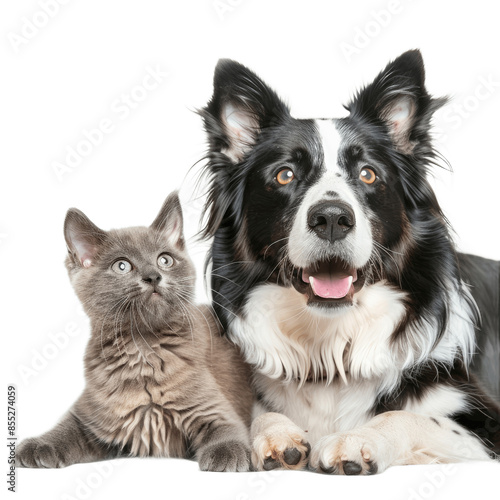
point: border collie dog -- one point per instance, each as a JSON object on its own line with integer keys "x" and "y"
{"x": 332, "y": 268}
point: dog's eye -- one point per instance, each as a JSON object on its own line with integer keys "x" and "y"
{"x": 285, "y": 176}
{"x": 165, "y": 261}
{"x": 122, "y": 266}
{"x": 368, "y": 176}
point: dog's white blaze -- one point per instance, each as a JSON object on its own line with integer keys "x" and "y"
{"x": 330, "y": 140}
{"x": 304, "y": 246}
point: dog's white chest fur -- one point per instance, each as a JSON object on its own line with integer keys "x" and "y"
{"x": 283, "y": 338}
{"x": 352, "y": 354}
{"x": 318, "y": 408}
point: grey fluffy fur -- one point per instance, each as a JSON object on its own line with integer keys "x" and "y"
{"x": 160, "y": 380}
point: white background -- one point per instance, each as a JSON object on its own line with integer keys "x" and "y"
{"x": 67, "y": 77}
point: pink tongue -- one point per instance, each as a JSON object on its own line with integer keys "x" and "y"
{"x": 330, "y": 287}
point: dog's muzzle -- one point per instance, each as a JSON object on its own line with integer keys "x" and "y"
{"x": 330, "y": 282}
{"x": 331, "y": 220}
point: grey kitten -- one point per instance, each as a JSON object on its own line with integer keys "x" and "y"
{"x": 160, "y": 380}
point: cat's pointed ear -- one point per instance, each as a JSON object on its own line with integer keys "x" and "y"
{"x": 398, "y": 98}
{"x": 169, "y": 220}
{"x": 83, "y": 237}
{"x": 241, "y": 106}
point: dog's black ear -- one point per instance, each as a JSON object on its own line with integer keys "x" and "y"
{"x": 241, "y": 106}
{"x": 398, "y": 98}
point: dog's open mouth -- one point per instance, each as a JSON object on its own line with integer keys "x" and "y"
{"x": 330, "y": 283}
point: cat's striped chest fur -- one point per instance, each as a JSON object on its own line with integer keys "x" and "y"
{"x": 140, "y": 386}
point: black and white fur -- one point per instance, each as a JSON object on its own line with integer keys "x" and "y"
{"x": 380, "y": 375}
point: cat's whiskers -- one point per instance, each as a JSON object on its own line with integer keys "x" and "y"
{"x": 186, "y": 278}
{"x": 133, "y": 338}
{"x": 144, "y": 319}
{"x": 134, "y": 304}
{"x": 118, "y": 324}
{"x": 233, "y": 263}
{"x": 103, "y": 322}
{"x": 214, "y": 315}
{"x": 122, "y": 304}
{"x": 122, "y": 311}
{"x": 183, "y": 315}
{"x": 187, "y": 299}
{"x": 225, "y": 278}
{"x": 187, "y": 316}
{"x": 224, "y": 297}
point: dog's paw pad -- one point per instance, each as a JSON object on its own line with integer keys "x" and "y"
{"x": 270, "y": 464}
{"x": 292, "y": 456}
{"x": 351, "y": 468}
{"x": 280, "y": 452}
{"x": 345, "y": 454}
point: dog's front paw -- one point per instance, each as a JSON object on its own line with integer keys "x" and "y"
{"x": 230, "y": 456}
{"x": 36, "y": 453}
{"x": 278, "y": 443}
{"x": 352, "y": 453}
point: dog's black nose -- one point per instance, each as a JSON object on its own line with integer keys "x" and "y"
{"x": 152, "y": 277}
{"x": 331, "y": 220}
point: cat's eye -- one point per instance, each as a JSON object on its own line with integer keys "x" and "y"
{"x": 368, "y": 175}
{"x": 122, "y": 266}
{"x": 165, "y": 261}
{"x": 285, "y": 176}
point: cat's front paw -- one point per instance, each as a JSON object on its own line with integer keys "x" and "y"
{"x": 229, "y": 456}
{"x": 351, "y": 454}
{"x": 38, "y": 454}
